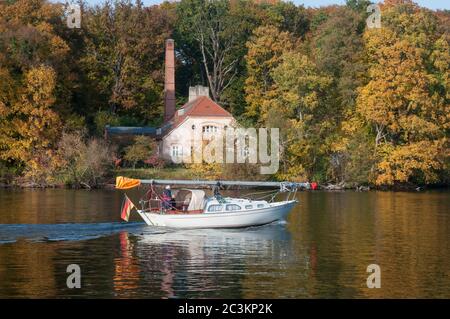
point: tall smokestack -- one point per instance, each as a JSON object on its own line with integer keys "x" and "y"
{"x": 169, "y": 81}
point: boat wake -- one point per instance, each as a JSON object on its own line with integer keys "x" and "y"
{"x": 10, "y": 233}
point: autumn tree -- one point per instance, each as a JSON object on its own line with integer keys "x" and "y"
{"x": 214, "y": 33}
{"x": 288, "y": 17}
{"x": 124, "y": 55}
{"x": 265, "y": 50}
{"x": 406, "y": 104}
{"x": 338, "y": 50}
{"x": 32, "y": 93}
{"x": 353, "y": 104}
{"x": 299, "y": 98}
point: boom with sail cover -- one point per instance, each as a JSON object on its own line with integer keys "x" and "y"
{"x": 126, "y": 183}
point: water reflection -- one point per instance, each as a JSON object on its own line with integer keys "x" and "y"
{"x": 126, "y": 270}
{"x": 210, "y": 263}
{"x": 45, "y": 206}
{"x": 322, "y": 251}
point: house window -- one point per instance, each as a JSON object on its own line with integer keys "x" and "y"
{"x": 177, "y": 150}
{"x": 210, "y": 129}
{"x": 233, "y": 207}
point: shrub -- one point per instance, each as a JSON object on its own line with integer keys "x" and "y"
{"x": 86, "y": 162}
{"x": 41, "y": 169}
{"x": 155, "y": 161}
{"x": 140, "y": 150}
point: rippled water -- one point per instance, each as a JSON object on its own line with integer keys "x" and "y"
{"x": 322, "y": 250}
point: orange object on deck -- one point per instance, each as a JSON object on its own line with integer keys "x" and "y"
{"x": 126, "y": 183}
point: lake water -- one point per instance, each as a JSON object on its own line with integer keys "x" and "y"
{"x": 322, "y": 251}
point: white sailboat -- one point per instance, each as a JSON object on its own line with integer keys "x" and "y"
{"x": 191, "y": 208}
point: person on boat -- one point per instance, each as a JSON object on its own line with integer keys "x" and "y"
{"x": 173, "y": 203}
{"x": 216, "y": 192}
{"x": 167, "y": 197}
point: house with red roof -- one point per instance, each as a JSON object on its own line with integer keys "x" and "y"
{"x": 199, "y": 117}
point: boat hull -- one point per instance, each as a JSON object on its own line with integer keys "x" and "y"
{"x": 256, "y": 217}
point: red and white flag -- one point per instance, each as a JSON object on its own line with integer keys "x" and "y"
{"x": 126, "y": 208}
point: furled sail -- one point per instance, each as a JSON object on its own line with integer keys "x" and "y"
{"x": 126, "y": 183}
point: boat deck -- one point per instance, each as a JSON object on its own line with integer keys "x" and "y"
{"x": 174, "y": 211}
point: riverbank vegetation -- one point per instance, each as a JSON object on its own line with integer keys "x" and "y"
{"x": 354, "y": 105}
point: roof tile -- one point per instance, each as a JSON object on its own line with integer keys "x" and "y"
{"x": 201, "y": 106}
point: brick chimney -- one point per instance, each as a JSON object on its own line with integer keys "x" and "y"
{"x": 169, "y": 81}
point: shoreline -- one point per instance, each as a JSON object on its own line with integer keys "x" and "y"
{"x": 321, "y": 187}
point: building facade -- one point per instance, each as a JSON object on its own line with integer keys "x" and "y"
{"x": 200, "y": 116}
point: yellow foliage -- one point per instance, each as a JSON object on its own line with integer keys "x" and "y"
{"x": 210, "y": 171}
{"x": 401, "y": 163}
{"x": 265, "y": 49}
{"x": 403, "y": 98}
{"x": 32, "y": 125}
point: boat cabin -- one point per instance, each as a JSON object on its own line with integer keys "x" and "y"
{"x": 195, "y": 201}
{"x": 228, "y": 204}
{"x": 184, "y": 201}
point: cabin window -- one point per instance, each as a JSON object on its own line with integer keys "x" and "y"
{"x": 248, "y": 206}
{"x": 177, "y": 150}
{"x": 215, "y": 208}
{"x": 233, "y": 207}
{"x": 210, "y": 129}
{"x": 260, "y": 205}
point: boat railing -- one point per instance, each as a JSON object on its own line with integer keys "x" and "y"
{"x": 157, "y": 204}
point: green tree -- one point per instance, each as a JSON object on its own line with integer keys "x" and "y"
{"x": 265, "y": 50}
{"x": 299, "y": 96}
{"x": 338, "y": 49}
{"x": 140, "y": 150}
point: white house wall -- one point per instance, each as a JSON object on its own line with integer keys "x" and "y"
{"x": 183, "y": 135}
